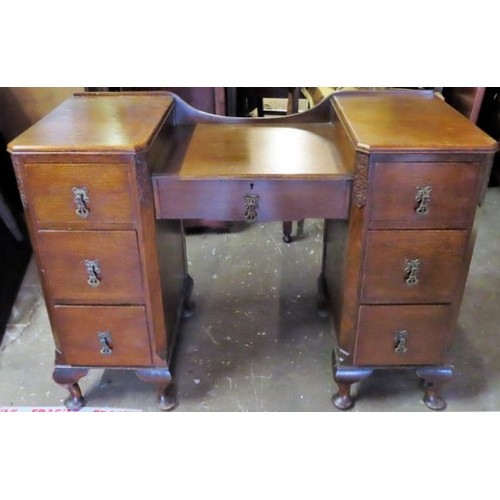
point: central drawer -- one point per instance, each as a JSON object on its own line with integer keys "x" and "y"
{"x": 102, "y": 336}
{"x": 91, "y": 267}
{"x": 412, "y": 266}
{"x": 260, "y": 200}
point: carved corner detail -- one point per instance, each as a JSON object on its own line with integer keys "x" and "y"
{"x": 20, "y": 181}
{"x": 360, "y": 180}
{"x": 144, "y": 187}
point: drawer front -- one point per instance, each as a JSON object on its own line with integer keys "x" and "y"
{"x": 402, "y": 335}
{"x": 412, "y": 266}
{"x": 423, "y": 195}
{"x": 102, "y": 336}
{"x": 247, "y": 200}
{"x": 79, "y": 195}
{"x": 91, "y": 267}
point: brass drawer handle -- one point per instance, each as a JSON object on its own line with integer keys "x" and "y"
{"x": 412, "y": 270}
{"x": 81, "y": 199}
{"x": 93, "y": 270}
{"x": 251, "y": 206}
{"x": 400, "y": 338}
{"x": 106, "y": 343}
{"x": 423, "y": 198}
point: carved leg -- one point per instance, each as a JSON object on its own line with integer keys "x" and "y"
{"x": 432, "y": 378}
{"x": 287, "y": 231}
{"x": 188, "y": 306}
{"x": 345, "y": 376}
{"x": 68, "y": 378}
{"x": 342, "y": 399}
{"x": 322, "y": 303}
{"x": 162, "y": 378}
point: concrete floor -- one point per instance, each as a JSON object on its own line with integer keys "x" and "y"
{"x": 256, "y": 342}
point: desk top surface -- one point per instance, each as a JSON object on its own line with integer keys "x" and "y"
{"x": 118, "y": 123}
{"x": 387, "y": 121}
{"x": 404, "y": 120}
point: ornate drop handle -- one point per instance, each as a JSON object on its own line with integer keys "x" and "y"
{"x": 106, "y": 343}
{"x": 412, "y": 270}
{"x": 93, "y": 270}
{"x": 251, "y": 206}
{"x": 81, "y": 199}
{"x": 400, "y": 338}
{"x": 423, "y": 198}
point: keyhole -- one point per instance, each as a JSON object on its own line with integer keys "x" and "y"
{"x": 251, "y": 186}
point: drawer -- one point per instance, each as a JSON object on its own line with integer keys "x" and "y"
{"x": 58, "y": 193}
{"x": 412, "y": 266}
{"x": 227, "y": 199}
{"x": 102, "y": 336}
{"x": 449, "y": 201}
{"x": 91, "y": 267}
{"x": 402, "y": 335}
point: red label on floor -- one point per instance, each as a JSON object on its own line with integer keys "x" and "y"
{"x": 60, "y": 409}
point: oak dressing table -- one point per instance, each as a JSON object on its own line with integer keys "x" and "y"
{"x": 106, "y": 180}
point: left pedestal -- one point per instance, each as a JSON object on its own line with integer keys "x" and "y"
{"x": 83, "y": 173}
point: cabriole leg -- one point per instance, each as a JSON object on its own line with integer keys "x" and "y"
{"x": 342, "y": 399}
{"x": 68, "y": 378}
{"x": 433, "y": 378}
{"x": 344, "y": 377}
{"x": 162, "y": 378}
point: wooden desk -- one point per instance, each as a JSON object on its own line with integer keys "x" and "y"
{"x": 107, "y": 179}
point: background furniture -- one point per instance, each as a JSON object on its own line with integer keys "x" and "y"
{"x": 481, "y": 105}
{"x": 243, "y": 100}
{"x": 467, "y": 100}
{"x": 15, "y": 247}
{"x": 489, "y": 121}
{"x": 208, "y": 99}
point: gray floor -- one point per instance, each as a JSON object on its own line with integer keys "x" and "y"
{"x": 256, "y": 342}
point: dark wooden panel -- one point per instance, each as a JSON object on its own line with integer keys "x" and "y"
{"x": 173, "y": 271}
{"x": 62, "y": 256}
{"x": 335, "y": 243}
{"x": 428, "y": 333}
{"x": 440, "y": 253}
{"x": 77, "y": 329}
